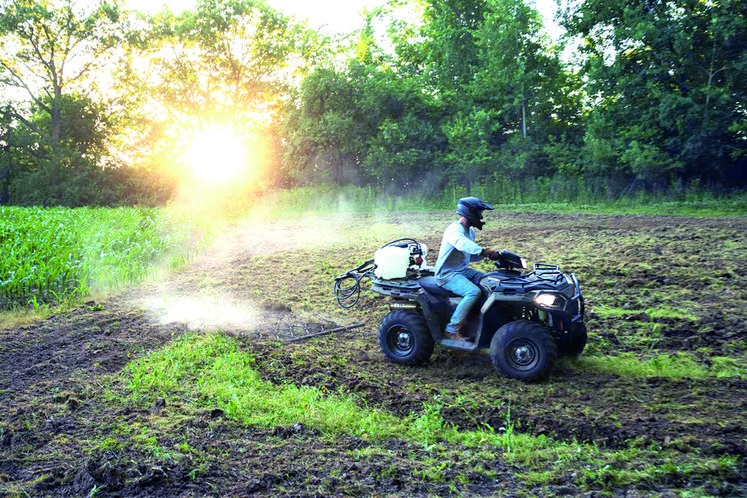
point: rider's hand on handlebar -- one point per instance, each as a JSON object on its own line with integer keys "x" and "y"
{"x": 491, "y": 254}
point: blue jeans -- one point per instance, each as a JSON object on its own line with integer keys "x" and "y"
{"x": 461, "y": 284}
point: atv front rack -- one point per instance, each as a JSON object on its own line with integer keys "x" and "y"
{"x": 545, "y": 273}
{"x": 545, "y": 278}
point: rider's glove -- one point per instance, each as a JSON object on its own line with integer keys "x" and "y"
{"x": 491, "y": 254}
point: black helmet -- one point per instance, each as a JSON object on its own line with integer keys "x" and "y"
{"x": 472, "y": 208}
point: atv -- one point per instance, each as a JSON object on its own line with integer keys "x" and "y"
{"x": 526, "y": 319}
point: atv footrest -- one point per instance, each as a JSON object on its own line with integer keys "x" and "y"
{"x": 465, "y": 345}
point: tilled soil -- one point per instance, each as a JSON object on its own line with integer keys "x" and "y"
{"x": 55, "y": 375}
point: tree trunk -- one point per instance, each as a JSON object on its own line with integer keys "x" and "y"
{"x": 56, "y": 116}
{"x": 711, "y": 73}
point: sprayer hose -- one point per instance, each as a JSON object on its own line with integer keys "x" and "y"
{"x": 348, "y": 295}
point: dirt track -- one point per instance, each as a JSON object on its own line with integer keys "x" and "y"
{"x": 260, "y": 282}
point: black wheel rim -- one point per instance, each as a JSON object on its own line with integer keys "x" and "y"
{"x": 522, "y": 354}
{"x": 400, "y": 341}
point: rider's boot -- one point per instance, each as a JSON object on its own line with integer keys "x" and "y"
{"x": 454, "y": 332}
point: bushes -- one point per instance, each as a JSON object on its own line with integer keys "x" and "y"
{"x": 54, "y": 185}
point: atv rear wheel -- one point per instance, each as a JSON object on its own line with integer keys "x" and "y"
{"x": 404, "y": 337}
{"x": 523, "y": 350}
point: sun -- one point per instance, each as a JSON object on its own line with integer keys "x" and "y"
{"x": 216, "y": 155}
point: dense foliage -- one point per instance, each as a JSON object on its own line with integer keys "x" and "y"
{"x": 670, "y": 82}
{"x": 424, "y": 95}
{"x": 51, "y": 253}
{"x": 477, "y": 93}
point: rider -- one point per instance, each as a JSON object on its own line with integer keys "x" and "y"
{"x": 457, "y": 250}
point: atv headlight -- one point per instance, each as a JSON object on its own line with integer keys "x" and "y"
{"x": 546, "y": 299}
{"x": 523, "y": 263}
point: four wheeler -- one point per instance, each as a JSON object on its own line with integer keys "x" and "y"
{"x": 526, "y": 319}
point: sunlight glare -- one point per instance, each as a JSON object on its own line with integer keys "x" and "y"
{"x": 216, "y": 155}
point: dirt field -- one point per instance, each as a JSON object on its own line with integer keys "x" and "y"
{"x": 661, "y": 291}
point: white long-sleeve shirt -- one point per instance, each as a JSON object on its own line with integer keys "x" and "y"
{"x": 458, "y": 250}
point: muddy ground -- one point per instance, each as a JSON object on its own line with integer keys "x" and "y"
{"x": 655, "y": 286}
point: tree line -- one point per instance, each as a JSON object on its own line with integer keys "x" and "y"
{"x": 97, "y": 102}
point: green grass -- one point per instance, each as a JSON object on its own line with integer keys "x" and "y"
{"x": 219, "y": 374}
{"x": 606, "y": 311}
{"x": 212, "y": 370}
{"x": 678, "y": 365}
{"x": 333, "y": 199}
{"x": 222, "y": 375}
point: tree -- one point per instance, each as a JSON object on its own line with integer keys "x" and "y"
{"x": 447, "y": 105}
{"x": 406, "y": 147}
{"x": 512, "y": 60}
{"x": 321, "y": 137}
{"x": 366, "y": 122}
{"x": 74, "y": 174}
{"x": 520, "y": 76}
{"x": 449, "y": 44}
{"x": 48, "y": 50}
{"x": 498, "y": 78}
{"x": 669, "y": 82}
{"x": 228, "y": 63}
{"x": 55, "y": 137}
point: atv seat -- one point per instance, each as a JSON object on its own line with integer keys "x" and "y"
{"x": 431, "y": 287}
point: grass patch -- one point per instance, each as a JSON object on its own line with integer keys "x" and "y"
{"x": 211, "y": 370}
{"x": 654, "y": 313}
{"x": 678, "y": 365}
{"x": 19, "y": 317}
{"x": 221, "y": 375}
{"x": 330, "y": 199}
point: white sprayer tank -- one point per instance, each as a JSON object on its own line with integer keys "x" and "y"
{"x": 392, "y": 262}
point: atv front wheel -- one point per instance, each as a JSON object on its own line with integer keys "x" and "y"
{"x": 404, "y": 337}
{"x": 523, "y": 350}
{"x": 574, "y": 342}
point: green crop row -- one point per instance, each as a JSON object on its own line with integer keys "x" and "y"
{"x": 47, "y": 254}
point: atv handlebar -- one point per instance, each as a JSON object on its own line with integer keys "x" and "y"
{"x": 510, "y": 261}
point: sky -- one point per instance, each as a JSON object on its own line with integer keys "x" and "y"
{"x": 329, "y": 16}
